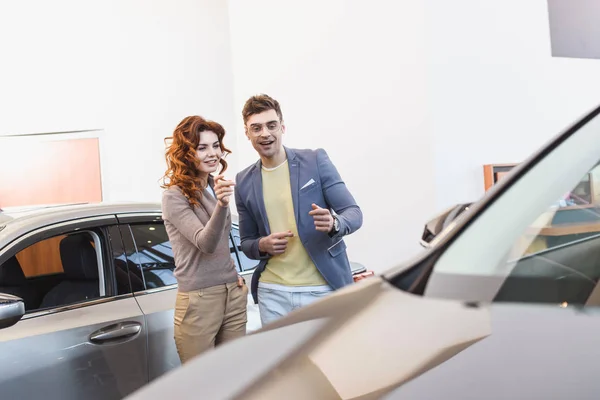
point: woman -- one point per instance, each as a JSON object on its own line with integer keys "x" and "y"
{"x": 211, "y": 297}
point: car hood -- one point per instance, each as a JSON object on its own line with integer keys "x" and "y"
{"x": 360, "y": 342}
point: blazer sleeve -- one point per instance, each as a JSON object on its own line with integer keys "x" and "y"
{"x": 337, "y": 196}
{"x": 249, "y": 233}
{"x": 178, "y": 211}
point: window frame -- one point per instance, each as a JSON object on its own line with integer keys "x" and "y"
{"x": 80, "y": 225}
{"x": 238, "y": 250}
{"x": 136, "y": 249}
{"x": 108, "y": 231}
{"x": 125, "y": 221}
{"x": 237, "y": 261}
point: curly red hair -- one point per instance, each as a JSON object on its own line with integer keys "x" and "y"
{"x": 182, "y": 162}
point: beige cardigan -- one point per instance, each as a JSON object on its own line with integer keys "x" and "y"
{"x": 199, "y": 237}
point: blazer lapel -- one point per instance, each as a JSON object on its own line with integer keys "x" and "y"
{"x": 294, "y": 181}
{"x": 258, "y": 194}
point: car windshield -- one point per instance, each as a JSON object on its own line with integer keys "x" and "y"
{"x": 538, "y": 241}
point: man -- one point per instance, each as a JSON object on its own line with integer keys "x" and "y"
{"x": 284, "y": 203}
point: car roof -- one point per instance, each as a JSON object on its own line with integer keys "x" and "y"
{"x": 16, "y": 221}
{"x": 73, "y": 211}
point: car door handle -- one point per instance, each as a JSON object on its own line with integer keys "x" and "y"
{"x": 116, "y": 332}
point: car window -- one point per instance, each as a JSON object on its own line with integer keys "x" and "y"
{"x": 57, "y": 271}
{"x": 539, "y": 242}
{"x": 557, "y": 258}
{"x": 246, "y": 264}
{"x": 154, "y": 254}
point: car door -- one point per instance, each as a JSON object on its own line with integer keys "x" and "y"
{"x": 83, "y": 334}
{"x": 150, "y": 260}
{"x": 532, "y": 250}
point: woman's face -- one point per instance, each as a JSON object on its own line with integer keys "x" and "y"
{"x": 208, "y": 152}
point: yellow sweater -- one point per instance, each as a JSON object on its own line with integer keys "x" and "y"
{"x": 294, "y": 267}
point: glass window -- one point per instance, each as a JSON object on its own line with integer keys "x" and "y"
{"x": 54, "y": 272}
{"x": 246, "y": 263}
{"x": 557, "y": 258}
{"x": 154, "y": 254}
{"x": 539, "y": 241}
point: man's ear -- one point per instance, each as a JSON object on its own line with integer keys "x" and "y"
{"x": 282, "y": 127}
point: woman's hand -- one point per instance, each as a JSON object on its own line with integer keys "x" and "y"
{"x": 223, "y": 190}
{"x": 241, "y": 281}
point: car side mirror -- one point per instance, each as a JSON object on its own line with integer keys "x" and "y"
{"x": 12, "y": 309}
{"x": 438, "y": 223}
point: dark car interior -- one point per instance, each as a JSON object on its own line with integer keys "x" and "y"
{"x": 78, "y": 281}
{"x": 568, "y": 269}
{"x": 562, "y": 274}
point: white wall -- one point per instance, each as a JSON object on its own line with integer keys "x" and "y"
{"x": 494, "y": 87}
{"x": 350, "y": 76}
{"x": 131, "y": 68}
{"x": 395, "y": 91}
{"x": 429, "y": 91}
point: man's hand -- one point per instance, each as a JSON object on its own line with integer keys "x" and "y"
{"x": 323, "y": 218}
{"x": 364, "y": 275}
{"x": 223, "y": 190}
{"x": 275, "y": 243}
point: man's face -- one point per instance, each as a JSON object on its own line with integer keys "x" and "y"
{"x": 264, "y": 131}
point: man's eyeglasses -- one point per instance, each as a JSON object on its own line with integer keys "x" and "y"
{"x": 272, "y": 127}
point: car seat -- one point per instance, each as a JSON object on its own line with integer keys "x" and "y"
{"x": 80, "y": 267}
{"x": 13, "y": 281}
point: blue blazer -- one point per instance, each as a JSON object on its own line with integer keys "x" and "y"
{"x": 314, "y": 179}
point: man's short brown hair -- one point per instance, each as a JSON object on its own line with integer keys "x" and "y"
{"x": 258, "y": 104}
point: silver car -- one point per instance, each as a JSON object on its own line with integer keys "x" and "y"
{"x": 95, "y": 292}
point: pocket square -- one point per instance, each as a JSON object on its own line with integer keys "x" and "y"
{"x": 308, "y": 183}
